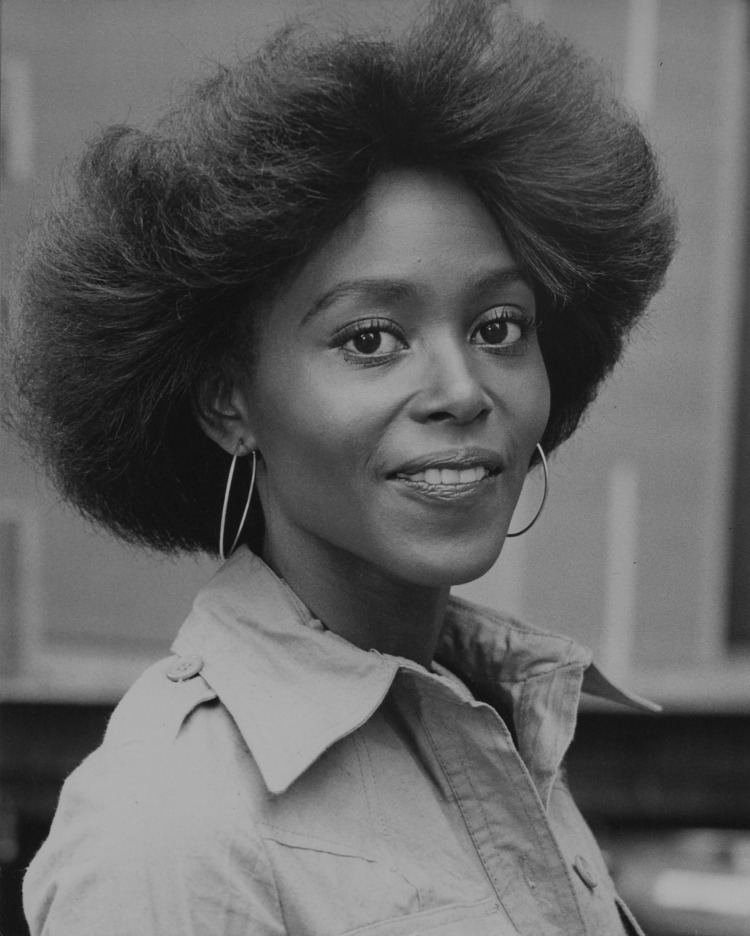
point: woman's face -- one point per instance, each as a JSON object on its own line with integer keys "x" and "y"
{"x": 399, "y": 390}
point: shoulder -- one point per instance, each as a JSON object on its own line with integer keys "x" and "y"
{"x": 170, "y": 747}
{"x": 151, "y": 817}
{"x": 157, "y": 705}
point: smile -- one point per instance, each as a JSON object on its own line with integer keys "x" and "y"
{"x": 447, "y": 476}
{"x": 450, "y": 475}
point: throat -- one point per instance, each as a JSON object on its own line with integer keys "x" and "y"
{"x": 365, "y": 607}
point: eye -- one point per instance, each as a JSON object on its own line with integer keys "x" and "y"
{"x": 499, "y": 331}
{"x": 371, "y": 339}
{"x": 505, "y": 327}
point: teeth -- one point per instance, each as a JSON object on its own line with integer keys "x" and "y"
{"x": 447, "y": 476}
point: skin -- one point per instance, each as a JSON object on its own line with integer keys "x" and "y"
{"x": 406, "y": 342}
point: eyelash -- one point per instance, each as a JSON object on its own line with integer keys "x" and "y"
{"x": 512, "y": 315}
{"x": 362, "y": 327}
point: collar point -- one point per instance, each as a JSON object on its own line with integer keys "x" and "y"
{"x": 596, "y": 684}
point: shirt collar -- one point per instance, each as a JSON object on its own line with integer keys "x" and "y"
{"x": 496, "y": 652}
{"x": 294, "y": 689}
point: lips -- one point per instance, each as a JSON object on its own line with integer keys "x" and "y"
{"x": 449, "y": 475}
{"x": 455, "y": 468}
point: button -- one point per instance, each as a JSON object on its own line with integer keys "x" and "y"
{"x": 527, "y": 868}
{"x": 184, "y": 667}
{"x": 585, "y": 872}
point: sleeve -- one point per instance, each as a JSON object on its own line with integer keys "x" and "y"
{"x": 133, "y": 853}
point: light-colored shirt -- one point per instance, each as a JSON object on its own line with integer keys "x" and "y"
{"x": 272, "y": 778}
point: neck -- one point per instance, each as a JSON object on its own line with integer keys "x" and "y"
{"x": 359, "y": 603}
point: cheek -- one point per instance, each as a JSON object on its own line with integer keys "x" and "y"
{"x": 542, "y": 400}
{"x": 531, "y": 404}
{"x": 312, "y": 426}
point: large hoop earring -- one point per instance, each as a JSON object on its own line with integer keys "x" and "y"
{"x": 222, "y": 525}
{"x": 544, "y": 496}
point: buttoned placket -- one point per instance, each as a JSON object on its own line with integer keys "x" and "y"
{"x": 512, "y": 837}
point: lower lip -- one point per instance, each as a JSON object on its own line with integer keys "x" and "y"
{"x": 453, "y": 493}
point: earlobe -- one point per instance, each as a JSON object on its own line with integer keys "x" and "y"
{"x": 223, "y": 413}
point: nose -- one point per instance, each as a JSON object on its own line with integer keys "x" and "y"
{"x": 450, "y": 386}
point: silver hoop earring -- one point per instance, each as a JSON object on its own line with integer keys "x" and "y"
{"x": 544, "y": 496}
{"x": 224, "y": 509}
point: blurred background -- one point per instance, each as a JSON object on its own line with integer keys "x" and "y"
{"x": 643, "y": 551}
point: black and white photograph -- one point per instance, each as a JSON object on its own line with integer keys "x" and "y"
{"x": 374, "y": 468}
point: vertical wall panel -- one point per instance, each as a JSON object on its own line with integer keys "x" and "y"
{"x": 10, "y": 598}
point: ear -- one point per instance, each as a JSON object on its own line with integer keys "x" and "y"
{"x": 223, "y": 411}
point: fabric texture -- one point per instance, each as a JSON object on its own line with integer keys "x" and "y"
{"x": 275, "y": 779}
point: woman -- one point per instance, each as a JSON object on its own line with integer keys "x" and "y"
{"x": 322, "y": 320}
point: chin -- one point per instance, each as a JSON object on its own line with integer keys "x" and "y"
{"x": 453, "y": 565}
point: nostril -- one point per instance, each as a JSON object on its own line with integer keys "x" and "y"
{"x": 451, "y": 393}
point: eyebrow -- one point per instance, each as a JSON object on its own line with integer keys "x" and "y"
{"x": 380, "y": 290}
{"x": 390, "y": 291}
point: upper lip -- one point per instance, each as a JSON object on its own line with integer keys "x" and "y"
{"x": 452, "y": 458}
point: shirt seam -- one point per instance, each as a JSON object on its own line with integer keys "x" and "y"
{"x": 532, "y": 823}
{"x": 545, "y": 810}
{"x": 457, "y": 800}
{"x": 274, "y": 882}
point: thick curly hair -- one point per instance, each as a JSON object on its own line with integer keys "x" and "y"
{"x": 143, "y": 283}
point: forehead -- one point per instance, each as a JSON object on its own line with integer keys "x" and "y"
{"x": 418, "y": 232}
{"x": 410, "y": 218}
